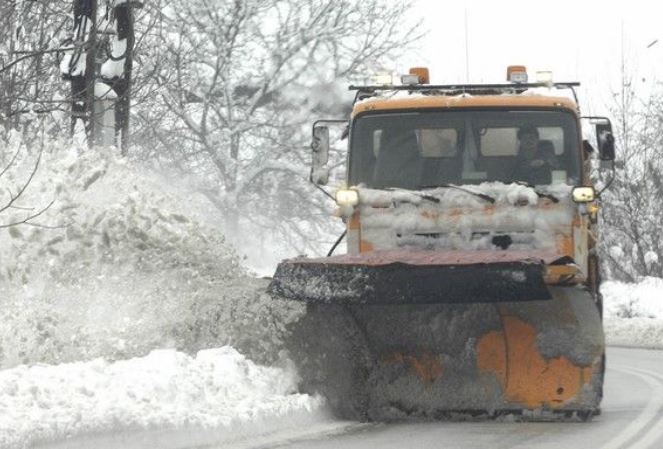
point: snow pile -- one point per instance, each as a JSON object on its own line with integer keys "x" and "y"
{"x": 634, "y": 313}
{"x": 218, "y": 395}
{"x": 122, "y": 267}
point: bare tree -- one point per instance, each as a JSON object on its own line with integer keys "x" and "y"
{"x": 40, "y": 44}
{"x": 241, "y": 82}
{"x": 225, "y": 90}
{"x": 632, "y": 243}
{"x": 29, "y": 79}
{"x": 11, "y": 195}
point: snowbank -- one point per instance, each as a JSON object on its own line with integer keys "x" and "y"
{"x": 634, "y": 332}
{"x": 123, "y": 263}
{"x": 217, "y": 396}
{"x": 634, "y": 313}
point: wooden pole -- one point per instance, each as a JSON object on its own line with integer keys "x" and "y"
{"x": 122, "y": 86}
{"x": 82, "y": 84}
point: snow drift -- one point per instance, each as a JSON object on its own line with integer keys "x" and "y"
{"x": 125, "y": 263}
{"x": 217, "y": 396}
{"x": 634, "y": 313}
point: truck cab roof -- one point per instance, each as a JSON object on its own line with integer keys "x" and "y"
{"x": 401, "y": 100}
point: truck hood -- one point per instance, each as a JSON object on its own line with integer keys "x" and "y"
{"x": 518, "y": 218}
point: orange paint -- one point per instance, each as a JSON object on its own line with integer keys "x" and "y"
{"x": 427, "y": 367}
{"x": 456, "y": 212}
{"x": 430, "y": 214}
{"x": 491, "y": 355}
{"x": 564, "y": 244}
{"x": 445, "y": 101}
{"x": 556, "y": 274}
{"x": 489, "y": 209}
{"x": 526, "y": 377}
{"x": 354, "y": 222}
{"x": 365, "y": 247}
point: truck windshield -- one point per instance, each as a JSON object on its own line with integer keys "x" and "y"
{"x": 426, "y": 149}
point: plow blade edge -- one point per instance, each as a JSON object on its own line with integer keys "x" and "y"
{"x": 399, "y": 277}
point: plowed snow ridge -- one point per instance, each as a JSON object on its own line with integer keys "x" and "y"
{"x": 218, "y": 394}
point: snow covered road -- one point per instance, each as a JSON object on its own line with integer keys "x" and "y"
{"x": 632, "y": 418}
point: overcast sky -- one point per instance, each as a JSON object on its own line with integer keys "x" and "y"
{"x": 578, "y": 40}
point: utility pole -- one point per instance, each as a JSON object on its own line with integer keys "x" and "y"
{"x": 79, "y": 66}
{"x": 124, "y": 20}
{"x": 86, "y": 69}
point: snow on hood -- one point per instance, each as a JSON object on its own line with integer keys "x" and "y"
{"x": 396, "y": 218}
{"x": 504, "y": 194}
{"x": 217, "y": 389}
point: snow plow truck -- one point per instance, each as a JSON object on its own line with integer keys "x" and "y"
{"x": 470, "y": 285}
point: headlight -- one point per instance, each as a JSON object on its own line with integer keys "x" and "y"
{"x": 584, "y": 194}
{"x": 347, "y": 197}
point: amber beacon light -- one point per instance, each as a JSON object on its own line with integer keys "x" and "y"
{"x": 516, "y": 74}
{"x": 422, "y": 73}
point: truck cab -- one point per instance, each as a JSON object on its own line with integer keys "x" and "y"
{"x": 473, "y": 167}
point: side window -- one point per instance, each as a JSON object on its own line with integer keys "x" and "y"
{"x": 438, "y": 142}
{"x": 499, "y": 142}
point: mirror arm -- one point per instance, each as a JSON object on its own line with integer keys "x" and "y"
{"x": 610, "y": 181}
{"x": 323, "y": 190}
{"x": 336, "y": 243}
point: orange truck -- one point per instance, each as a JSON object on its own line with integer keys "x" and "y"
{"x": 471, "y": 279}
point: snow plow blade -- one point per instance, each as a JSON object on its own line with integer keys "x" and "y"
{"x": 392, "y": 335}
{"x": 415, "y": 277}
{"x": 538, "y": 360}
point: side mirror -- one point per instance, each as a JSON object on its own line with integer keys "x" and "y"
{"x": 606, "y": 146}
{"x": 605, "y": 140}
{"x": 320, "y": 147}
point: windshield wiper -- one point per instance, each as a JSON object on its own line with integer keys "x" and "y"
{"x": 483, "y": 196}
{"x": 551, "y": 197}
{"x": 420, "y": 195}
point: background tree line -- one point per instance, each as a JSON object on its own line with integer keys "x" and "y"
{"x": 632, "y": 213}
{"x": 224, "y": 92}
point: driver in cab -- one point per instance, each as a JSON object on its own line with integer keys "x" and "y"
{"x": 536, "y": 158}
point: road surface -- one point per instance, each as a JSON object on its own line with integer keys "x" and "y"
{"x": 632, "y": 418}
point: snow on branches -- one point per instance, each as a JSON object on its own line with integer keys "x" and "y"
{"x": 238, "y": 86}
{"x": 632, "y": 243}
